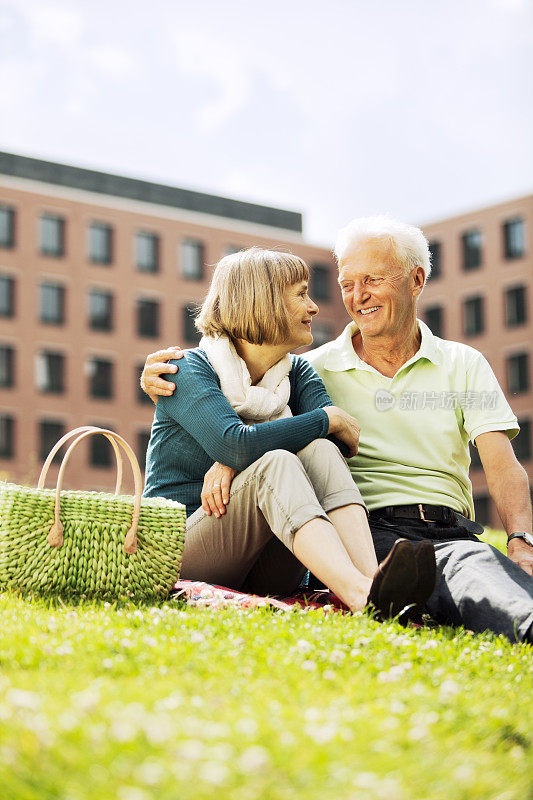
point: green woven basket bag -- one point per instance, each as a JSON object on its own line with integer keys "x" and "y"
{"x": 89, "y": 543}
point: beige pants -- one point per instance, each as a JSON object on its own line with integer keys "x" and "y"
{"x": 250, "y": 546}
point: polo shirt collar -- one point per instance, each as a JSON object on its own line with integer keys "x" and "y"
{"x": 341, "y": 355}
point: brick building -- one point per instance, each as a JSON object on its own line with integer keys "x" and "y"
{"x": 97, "y": 270}
{"x": 480, "y": 293}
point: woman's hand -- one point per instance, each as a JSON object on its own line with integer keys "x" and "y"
{"x": 215, "y": 491}
{"x": 155, "y": 366}
{"x": 344, "y": 427}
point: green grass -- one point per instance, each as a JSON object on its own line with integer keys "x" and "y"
{"x": 136, "y": 702}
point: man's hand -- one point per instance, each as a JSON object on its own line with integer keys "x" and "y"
{"x": 522, "y": 554}
{"x": 155, "y": 366}
{"x": 344, "y": 427}
{"x": 215, "y": 491}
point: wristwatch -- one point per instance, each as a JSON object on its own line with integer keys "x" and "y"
{"x": 527, "y": 537}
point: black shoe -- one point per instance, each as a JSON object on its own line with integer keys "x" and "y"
{"x": 394, "y": 581}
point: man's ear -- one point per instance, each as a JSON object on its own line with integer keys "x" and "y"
{"x": 419, "y": 279}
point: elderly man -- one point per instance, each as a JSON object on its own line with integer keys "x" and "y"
{"x": 419, "y": 400}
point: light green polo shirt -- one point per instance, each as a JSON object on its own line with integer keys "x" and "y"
{"x": 415, "y": 427}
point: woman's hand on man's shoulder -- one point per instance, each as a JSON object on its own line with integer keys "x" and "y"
{"x": 155, "y": 366}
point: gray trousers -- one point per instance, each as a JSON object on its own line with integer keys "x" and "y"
{"x": 477, "y": 586}
{"x": 250, "y": 546}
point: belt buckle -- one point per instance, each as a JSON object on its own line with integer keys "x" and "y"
{"x": 422, "y": 515}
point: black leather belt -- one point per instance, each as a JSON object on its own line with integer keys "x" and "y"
{"x": 420, "y": 511}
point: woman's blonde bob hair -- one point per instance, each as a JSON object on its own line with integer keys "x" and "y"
{"x": 245, "y": 299}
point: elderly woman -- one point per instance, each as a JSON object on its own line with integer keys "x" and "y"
{"x": 242, "y": 443}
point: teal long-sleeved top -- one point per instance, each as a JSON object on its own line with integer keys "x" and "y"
{"x": 197, "y": 426}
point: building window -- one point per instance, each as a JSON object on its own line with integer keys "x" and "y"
{"x": 100, "y": 378}
{"x": 320, "y": 282}
{"x": 472, "y": 244}
{"x": 191, "y": 336}
{"x": 192, "y": 260}
{"x": 101, "y": 450}
{"x": 147, "y": 318}
{"x": 7, "y": 436}
{"x": 322, "y": 333}
{"x": 142, "y": 397}
{"x": 52, "y": 303}
{"x": 7, "y": 366}
{"x": 52, "y": 235}
{"x": 143, "y": 439}
{"x": 100, "y": 243}
{"x": 7, "y": 227}
{"x": 435, "y": 259}
{"x": 518, "y": 373}
{"x": 482, "y": 506}
{"x": 522, "y": 442}
{"x": 50, "y": 372}
{"x": 475, "y": 460}
{"x": 100, "y": 310}
{"x": 473, "y": 316}
{"x": 515, "y": 306}
{"x": 147, "y": 252}
{"x": 50, "y": 432}
{"x": 434, "y": 318}
{"x": 513, "y": 238}
{"x": 7, "y": 296}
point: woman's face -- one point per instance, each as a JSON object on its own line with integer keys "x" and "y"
{"x": 301, "y": 311}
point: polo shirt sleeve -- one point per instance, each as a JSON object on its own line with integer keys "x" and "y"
{"x": 484, "y": 404}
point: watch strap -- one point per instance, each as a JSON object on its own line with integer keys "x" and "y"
{"x": 526, "y": 537}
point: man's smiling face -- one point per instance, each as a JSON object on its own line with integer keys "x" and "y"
{"x": 377, "y": 293}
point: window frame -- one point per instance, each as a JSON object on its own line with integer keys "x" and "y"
{"x": 108, "y": 230}
{"x": 145, "y": 266}
{"x": 57, "y": 251}
{"x": 478, "y": 311}
{"x": 8, "y": 243}
{"x": 59, "y": 317}
{"x": 467, "y": 262}
{"x": 92, "y": 318}
{"x": 509, "y": 253}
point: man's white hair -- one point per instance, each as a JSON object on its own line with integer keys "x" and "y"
{"x": 409, "y": 243}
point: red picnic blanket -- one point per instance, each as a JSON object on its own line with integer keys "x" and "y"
{"x": 198, "y": 593}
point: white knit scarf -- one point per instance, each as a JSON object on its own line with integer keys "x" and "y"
{"x": 267, "y": 400}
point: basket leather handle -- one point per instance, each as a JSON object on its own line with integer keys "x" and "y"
{"x": 65, "y": 438}
{"x": 55, "y": 536}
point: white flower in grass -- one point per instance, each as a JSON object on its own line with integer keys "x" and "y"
{"x": 309, "y": 665}
{"x": 323, "y": 733}
{"x": 150, "y": 772}
{"x": 197, "y": 637}
{"x": 158, "y": 728}
{"x": 329, "y": 675}
{"x": 214, "y": 773}
{"x": 150, "y": 641}
{"x": 123, "y": 730}
{"x": 337, "y": 656}
{"x": 191, "y": 750}
{"x": 449, "y": 688}
{"x": 246, "y": 726}
{"x": 304, "y": 646}
{"x": 21, "y": 699}
{"x": 132, "y": 793}
{"x": 254, "y": 759}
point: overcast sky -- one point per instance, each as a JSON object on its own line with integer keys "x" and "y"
{"x": 419, "y": 108}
